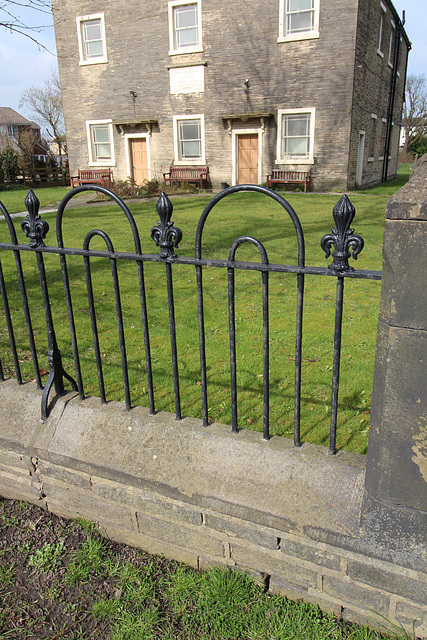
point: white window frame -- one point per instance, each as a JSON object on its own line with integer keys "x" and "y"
{"x": 131, "y": 136}
{"x": 106, "y": 162}
{"x": 295, "y": 159}
{"x": 83, "y": 60}
{"x": 372, "y": 136}
{"x": 195, "y": 161}
{"x": 390, "y": 44}
{"x": 382, "y": 137}
{"x": 304, "y": 35}
{"x": 383, "y": 10}
{"x": 173, "y": 49}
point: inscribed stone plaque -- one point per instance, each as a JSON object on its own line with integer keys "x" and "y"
{"x": 187, "y": 80}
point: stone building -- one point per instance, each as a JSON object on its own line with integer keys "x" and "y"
{"x": 293, "y": 84}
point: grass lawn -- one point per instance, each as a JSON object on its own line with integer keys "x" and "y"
{"x": 61, "y": 579}
{"x": 388, "y": 188}
{"x": 240, "y": 214}
{"x": 13, "y": 199}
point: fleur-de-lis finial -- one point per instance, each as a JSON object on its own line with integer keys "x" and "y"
{"x": 33, "y": 226}
{"x": 164, "y": 234}
{"x": 342, "y": 238}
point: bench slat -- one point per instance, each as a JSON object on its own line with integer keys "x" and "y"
{"x": 186, "y": 174}
{"x": 285, "y": 176}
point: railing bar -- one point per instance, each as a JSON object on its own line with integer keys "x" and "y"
{"x": 146, "y": 335}
{"x": 27, "y": 315}
{"x": 202, "y": 345}
{"x": 94, "y": 329}
{"x": 233, "y": 364}
{"x": 204, "y": 262}
{"x": 119, "y": 316}
{"x": 298, "y": 358}
{"x": 173, "y": 340}
{"x": 12, "y": 341}
{"x": 266, "y": 356}
{"x": 71, "y": 323}
{"x": 336, "y": 365}
{"x": 1, "y": 371}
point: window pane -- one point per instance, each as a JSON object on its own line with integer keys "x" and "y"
{"x": 296, "y": 135}
{"x": 93, "y": 30}
{"x": 300, "y": 22}
{"x": 186, "y": 16}
{"x": 297, "y": 125}
{"x": 102, "y": 151}
{"x": 101, "y": 145}
{"x": 93, "y": 49}
{"x": 191, "y": 149}
{"x": 190, "y": 130}
{"x": 300, "y": 5}
{"x": 101, "y": 133}
{"x": 186, "y": 26}
{"x": 299, "y": 16}
{"x": 92, "y": 38}
{"x": 189, "y": 135}
{"x": 297, "y": 147}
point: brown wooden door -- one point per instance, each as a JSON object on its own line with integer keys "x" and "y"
{"x": 247, "y": 153}
{"x": 139, "y": 158}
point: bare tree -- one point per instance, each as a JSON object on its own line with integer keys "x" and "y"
{"x": 11, "y": 20}
{"x": 45, "y": 105}
{"x": 414, "y": 119}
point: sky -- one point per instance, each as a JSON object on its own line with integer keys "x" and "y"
{"x": 23, "y": 64}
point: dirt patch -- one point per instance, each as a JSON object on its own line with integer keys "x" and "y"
{"x": 37, "y": 599}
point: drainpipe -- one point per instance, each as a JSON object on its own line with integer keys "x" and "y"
{"x": 392, "y": 98}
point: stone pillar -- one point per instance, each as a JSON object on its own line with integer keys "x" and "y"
{"x": 395, "y": 507}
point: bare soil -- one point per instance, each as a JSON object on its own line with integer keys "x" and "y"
{"x": 36, "y": 603}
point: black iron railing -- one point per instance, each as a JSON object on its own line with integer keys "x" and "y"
{"x": 167, "y": 237}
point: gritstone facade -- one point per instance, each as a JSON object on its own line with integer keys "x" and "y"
{"x": 242, "y": 88}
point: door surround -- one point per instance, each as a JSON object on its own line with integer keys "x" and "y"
{"x": 128, "y": 138}
{"x": 360, "y": 157}
{"x": 234, "y": 152}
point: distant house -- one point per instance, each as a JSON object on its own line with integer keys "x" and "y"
{"x": 12, "y": 125}
{"x": 241, "y": 87}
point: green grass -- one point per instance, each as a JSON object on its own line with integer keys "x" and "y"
{"x": 13, "y": 199}
{"x": 389, "y": 187}
{"x": 238, "y": 215}
{"x": 121, "y": 593}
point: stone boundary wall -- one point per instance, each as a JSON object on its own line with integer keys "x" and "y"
{"x": 205, "y": 496}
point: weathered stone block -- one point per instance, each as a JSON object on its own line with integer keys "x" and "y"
{"x": 397, "y": 472}
{"x": 273, "y": 563}
{"x": 316, "y": 554}
{"x": 152, "y": 545}
{"x": 64, "y": 475}
{"x": 388, "y": 581}
{"x": 234, "y": 527}
{"x": 195, "y": 538}
{"x": 413, "y": 615}
{"x": 351, "y": 594}
{"x": 70, "y": 501}
{"x": 403, "y": 299}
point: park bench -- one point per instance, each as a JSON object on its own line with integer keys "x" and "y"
{"x": 92, "y": 176}
{"x": 283, "y": 176}
{"x": 198, "y": 175}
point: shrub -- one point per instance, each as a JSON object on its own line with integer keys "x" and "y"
{"x": 9, "y": 165}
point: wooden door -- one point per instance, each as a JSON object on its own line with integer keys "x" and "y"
{"x": 247, "y": 154}
{"x": 138, "y": 148}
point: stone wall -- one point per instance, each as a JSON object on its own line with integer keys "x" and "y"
{"x": 205, "y": 496}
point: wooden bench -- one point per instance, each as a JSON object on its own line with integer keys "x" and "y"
{"x": 92, "y": 176}
{"x": 198, "y": 175}
{"x": 282, "y": 176}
